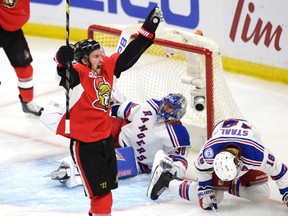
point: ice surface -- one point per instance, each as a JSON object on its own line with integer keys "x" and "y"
{"x": 29, "y": 151}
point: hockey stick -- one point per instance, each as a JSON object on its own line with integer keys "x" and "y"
{"x": 122, "y": 44}
{"x": 214, "y": 210}
{"x": 67, "y": 120}
{"x": 123, "y": 41}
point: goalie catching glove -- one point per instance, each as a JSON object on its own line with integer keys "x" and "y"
{"x": 151, "y": 23}
{"x": 207, "y": 198}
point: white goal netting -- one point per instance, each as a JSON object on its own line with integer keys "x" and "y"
{"x": 177, "y": 62}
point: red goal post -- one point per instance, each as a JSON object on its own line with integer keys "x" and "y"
{"x": 164, "y": 66}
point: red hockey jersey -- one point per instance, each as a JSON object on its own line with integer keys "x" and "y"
{"x": 13, "y": 18}
{"x": 89, "y": 103}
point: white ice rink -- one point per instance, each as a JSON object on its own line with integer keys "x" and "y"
{"x": 28, "y": 150}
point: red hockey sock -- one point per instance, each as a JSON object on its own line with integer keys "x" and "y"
{"x": 101, "y": 204}
{"x": 25, "y": 82}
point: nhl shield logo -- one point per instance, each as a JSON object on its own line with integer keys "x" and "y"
{"x": 208, "y": 153}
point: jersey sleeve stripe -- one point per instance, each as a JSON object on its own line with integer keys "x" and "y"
{"x": 250, "y": 162}
{"x": 153, "y": 105}
{"x": 173, "y": 136}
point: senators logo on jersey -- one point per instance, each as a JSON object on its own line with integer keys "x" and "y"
{"x": 9, "y": 3}
{"x": 103, "y": 93}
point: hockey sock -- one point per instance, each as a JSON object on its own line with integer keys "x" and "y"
{"x": 101, "y": 204}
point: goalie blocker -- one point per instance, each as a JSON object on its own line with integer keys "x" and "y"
{"x": 126, "y": 162}
{"x": 125, "y": 156}
{"x": 68, "y": 174}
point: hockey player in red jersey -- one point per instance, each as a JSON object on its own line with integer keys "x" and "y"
{"x": 92, "y": 146}
{"x": 14, "y": 14}
{"x": 233, "y": 160}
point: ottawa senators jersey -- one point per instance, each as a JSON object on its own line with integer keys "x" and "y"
{"x": 89, "y": 103}
{"x": 14, "y": 16}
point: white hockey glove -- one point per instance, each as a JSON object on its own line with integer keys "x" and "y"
{"x": 52, "y": 114}
{"x": 151, "y": 23}
{"x": 117, "y": 97}
{"x": 207, "y": 198}
{"x": 285, "y": 198}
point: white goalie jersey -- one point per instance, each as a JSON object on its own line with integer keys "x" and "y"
{"x": 147, "y": 136}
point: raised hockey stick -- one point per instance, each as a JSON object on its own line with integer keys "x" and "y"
{"x": 123, "y": 41}
{"x": 122, "y": 44}
{"x": 67, "y": 119}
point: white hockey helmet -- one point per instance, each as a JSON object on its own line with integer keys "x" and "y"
{"x": 226, "y": 166}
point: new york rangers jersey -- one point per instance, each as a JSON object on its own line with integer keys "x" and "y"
{"x": 253, "y": 155}
{"x": 147, "y": 136}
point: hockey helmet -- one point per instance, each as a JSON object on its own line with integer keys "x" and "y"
{"x": 226, "y": 166}
{"x": 176, "y": 101}
{"x": 9, "y": 3}
{"x": 84, "y": 48}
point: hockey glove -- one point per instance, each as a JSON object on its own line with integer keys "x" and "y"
{"x": 74, "y": 78}
{"x": 207, "y": 199}
{"x": 151, "y": 23}
{"x": 64, "y": 55}
{"x": 285, "y": 198}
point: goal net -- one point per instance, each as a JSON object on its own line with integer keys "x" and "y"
{"x": 177, "y": 62}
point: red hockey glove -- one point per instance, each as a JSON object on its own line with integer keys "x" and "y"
{"x": 151, "y": 23}
{"x": 207, "y": 199}
{"x": 64, "y": 55}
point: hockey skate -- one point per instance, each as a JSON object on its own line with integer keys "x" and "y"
{"x": 160, "y": 180}
{"x": 30, "y": 108}
{"x": 62, "y": 173}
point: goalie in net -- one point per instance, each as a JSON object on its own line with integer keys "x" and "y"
{"x": 178, "y": 61}
{"x": 147, "y": 127}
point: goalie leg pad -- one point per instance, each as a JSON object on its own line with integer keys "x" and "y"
{"x": 160, "y": 157}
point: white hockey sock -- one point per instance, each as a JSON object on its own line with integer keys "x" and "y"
{"x": 184, "y": 189}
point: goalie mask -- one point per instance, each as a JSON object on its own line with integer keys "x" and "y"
{"x": 226, "y": 166}
{"x": 172, "y": 108}
{"x": 84, "y": 48}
